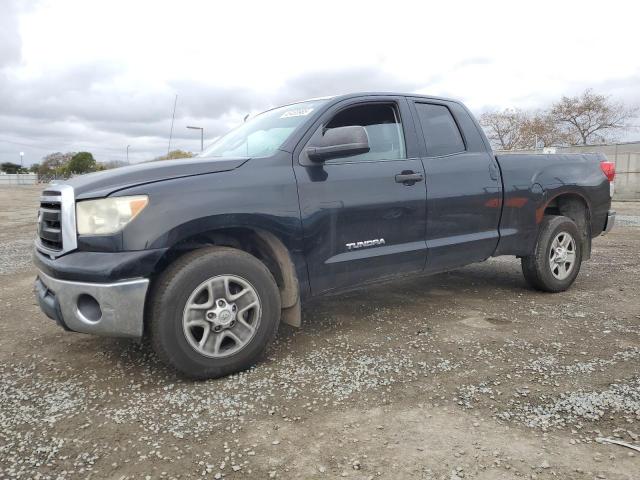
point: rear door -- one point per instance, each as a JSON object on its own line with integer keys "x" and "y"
{"x": 463, "y": 186}
{"x": 362, "y": 220}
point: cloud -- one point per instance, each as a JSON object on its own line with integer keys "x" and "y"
{"x": 10, "y": 41}
{"x": 207, "y": 100}
{"x": 103, "y": 75}
{"x": 472, "y": 61}
{"x": 87, "y": 103}
{"x": 357, "y": 79}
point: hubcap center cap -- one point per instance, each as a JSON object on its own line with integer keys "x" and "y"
{"x": 223, "y": 315}
{"x": 561, "y": 254}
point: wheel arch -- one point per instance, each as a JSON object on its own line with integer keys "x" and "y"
{"x": 576, "y": 207}
{"x": 262, "y": 244}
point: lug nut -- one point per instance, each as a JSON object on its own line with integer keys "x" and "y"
{"x": 234, "y": 308}
{"x": 221, "y": 303}
{"x": 210, "y": 315}
{"x": 217, "y": 328}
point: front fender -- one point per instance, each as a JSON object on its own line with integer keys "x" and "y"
{"x": 261, "y": 194}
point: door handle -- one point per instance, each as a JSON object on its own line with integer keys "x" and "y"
{"x": 409, "y": 177}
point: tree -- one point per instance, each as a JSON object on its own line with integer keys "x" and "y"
{"x": 113, "y": 164}
{"x": 175, "y": 154}
{"x": 587, "y": 118}
{"x": 504, "y": 129}
{"x": 81, "y": 162}
{"x": 590, "y": 117}
{"x": 34, "y": 168}
{"x": 540, "y": 130}
{"x": 10, "y": 167}
{"x": 54, "y": 163}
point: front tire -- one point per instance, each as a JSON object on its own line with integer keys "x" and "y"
{"x": 213, "y": 312}
{"x": 557, "y": 258}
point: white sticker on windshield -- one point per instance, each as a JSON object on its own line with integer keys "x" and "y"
{"x": 297, "y": 112}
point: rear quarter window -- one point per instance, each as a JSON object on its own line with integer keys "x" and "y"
{"x": 441, "y": 133}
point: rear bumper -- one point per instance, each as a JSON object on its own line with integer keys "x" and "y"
{"x": 110, "y": 309}
{"x": 611, "y": 220}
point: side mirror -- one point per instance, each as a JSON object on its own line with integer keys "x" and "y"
{"x": 339, "y": 142}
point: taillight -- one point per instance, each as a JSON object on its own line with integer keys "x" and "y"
{"x": 609, "y": 169}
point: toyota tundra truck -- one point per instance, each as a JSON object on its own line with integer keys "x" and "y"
{"x": 206, "y": 256}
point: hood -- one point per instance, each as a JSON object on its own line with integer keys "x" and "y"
{"x": 101, "y": 184}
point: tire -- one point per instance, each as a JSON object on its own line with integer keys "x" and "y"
{"x": 545, "y": 270}
{"x": 186, "y": 299}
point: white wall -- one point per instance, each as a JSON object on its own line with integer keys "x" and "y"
{"x": 18, "y": 179}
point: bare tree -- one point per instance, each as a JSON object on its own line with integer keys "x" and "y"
{"x": 520, "y": 130}
{"x": 175, "y": 154}
{"x": 504, "y": 129}
{"x": 590, "y": 117}
{"x": 540, "y": 129}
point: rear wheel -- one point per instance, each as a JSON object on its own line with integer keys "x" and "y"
{"x": 214, "y": 311}
{"x": 556, "y": 261}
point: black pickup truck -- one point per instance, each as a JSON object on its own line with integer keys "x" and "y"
{"x": 206, "y": 256}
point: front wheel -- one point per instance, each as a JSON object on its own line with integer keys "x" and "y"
{"x": 213, "y": 312}
{"x": 556, "y": 261}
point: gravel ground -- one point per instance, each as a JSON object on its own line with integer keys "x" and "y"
{"x": 18, "y": 215}
{"x": 467, "y": 374}
{"x": 628, "y": 220}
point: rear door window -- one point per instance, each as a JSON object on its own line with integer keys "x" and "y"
{"x": 441, "y": 133}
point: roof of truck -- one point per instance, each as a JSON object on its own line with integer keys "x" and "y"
{"x": 346, "y": 96}
{"x": 367, "y": 94}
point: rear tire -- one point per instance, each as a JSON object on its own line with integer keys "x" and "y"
{"x": 213, "y": 312}
{"x": 556, "y": 261}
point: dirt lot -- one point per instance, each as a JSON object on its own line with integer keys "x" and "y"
{"x": 468, "y": 374}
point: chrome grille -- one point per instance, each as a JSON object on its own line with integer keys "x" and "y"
{"x": 57, "y": 221}
{"x": 49, "y": 224}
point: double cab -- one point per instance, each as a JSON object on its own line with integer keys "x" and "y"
{"x": 206, "y": 256}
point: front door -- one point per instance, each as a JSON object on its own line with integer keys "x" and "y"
{"x": 363, "y": 216}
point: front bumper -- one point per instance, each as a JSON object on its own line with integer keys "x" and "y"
{"x": 611, "y": 220}
{"x": 110, "y": 309}
{"x": 100, "y": 267}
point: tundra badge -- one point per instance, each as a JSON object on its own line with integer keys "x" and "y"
{"x": 367, "y": 243}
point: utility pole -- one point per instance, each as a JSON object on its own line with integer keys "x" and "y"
{"x": 173, "y": 117}
{"x": 201, "y": 136}
{"x": 21, "y": 160}
{"x": 128, "y": 155}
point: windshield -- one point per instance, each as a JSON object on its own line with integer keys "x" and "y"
{"x": 262, "y": 135}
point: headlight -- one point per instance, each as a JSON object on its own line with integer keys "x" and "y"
{"x": 108, "y": 215}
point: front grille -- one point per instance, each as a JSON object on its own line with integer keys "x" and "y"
{"x": 57, "y": 221}
{"x": 50, "y": 221}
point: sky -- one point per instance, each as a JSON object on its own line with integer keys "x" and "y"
{"x": 100, "y": 75}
